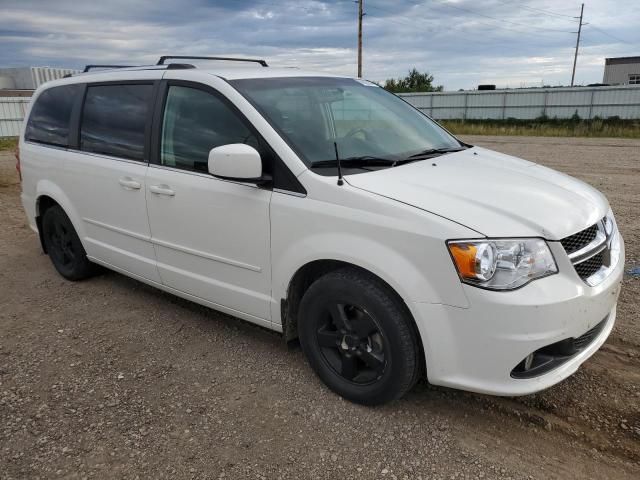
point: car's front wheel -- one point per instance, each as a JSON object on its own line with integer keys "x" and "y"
{"x": 358, "y": 337}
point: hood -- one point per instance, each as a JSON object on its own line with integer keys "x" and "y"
{"x": 494, "y": 194}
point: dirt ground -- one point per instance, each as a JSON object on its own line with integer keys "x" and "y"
{"x": 109, "y": 378}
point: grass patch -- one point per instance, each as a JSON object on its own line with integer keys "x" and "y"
{"x": 547, "y": 127}
{"x": 8, "y": 143}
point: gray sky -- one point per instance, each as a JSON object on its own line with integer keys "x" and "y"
{"x": 461, "y": 42}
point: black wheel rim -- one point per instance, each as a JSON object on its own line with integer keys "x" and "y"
{"x": 352, "y": 343}
{"x": 61, "y": 246}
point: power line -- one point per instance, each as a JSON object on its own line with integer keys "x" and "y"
{"x": 492, "y": 25}
{"x": 608, "y": 34}
{"x": 502, "y": 20}
{"x": 502, "y": 23}
{"x": 412, "y": 22}
{"x": 405, "y": 21}
{"x": 538, "y": 10}
{"x": 418, "y": 24}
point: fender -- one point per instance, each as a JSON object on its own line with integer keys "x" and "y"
{"x": 406, "y": 277}
{"x": 48, "y": 188}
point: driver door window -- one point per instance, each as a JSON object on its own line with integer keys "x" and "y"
{"x": 195, "y": 122}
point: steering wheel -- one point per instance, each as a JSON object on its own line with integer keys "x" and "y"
{"x": 355, "y": 131}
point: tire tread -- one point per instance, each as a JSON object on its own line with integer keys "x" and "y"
{"x": 83, "y": 268}
{"x": 397, "y": 312}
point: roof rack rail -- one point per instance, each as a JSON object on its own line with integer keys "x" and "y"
{"x": 179, "y": 66}
{"x": 182, "y": 57}
{"x": 89, "y": 67}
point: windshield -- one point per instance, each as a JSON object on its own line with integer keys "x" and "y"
{"x": 365, "y": 121}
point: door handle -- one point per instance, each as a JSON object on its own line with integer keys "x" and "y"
{"x": 129, "y": 183}
{"x": 162, "y": 190}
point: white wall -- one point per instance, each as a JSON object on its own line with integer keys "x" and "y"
{"x": 618, "y": 74}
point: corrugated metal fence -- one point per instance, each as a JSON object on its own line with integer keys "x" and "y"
{"x": 588, "y": 102}
{"x": 31, "y": 77}
{"x": 12, "y": 110}
{"x": 45, "y": 74}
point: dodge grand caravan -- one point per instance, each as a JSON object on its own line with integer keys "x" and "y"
{"x": 330, "y": 210}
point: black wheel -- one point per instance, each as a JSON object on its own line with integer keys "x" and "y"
{"x": 64, "y": 247}
{"x": 358, "y": 337}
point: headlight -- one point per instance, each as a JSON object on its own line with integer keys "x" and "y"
{"x": 502, "y": 264}
{"x": 609, "y": 223}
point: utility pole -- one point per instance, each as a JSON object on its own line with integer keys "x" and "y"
{"x": 360, "y": 15}
{"x": 575, "y": 58}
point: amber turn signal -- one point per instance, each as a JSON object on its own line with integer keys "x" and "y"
{"x": 464, "y": 256}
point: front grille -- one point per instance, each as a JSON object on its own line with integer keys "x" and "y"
{"x": 579, "y": 240}
{"x": 589, "y": 262}
{"x": 585, "y": 340}
{"x": 590, "y": 266}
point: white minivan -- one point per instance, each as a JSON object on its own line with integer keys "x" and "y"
{"x": 330, "y": 210}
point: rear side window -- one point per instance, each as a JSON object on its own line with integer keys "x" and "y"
{"x": 114, "y": 119}
{"x": 195, "y": 122}
{"x": 51, "y": 114}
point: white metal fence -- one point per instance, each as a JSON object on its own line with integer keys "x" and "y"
{"x": 588, "y": 102}
{"x": 12, "y": 110}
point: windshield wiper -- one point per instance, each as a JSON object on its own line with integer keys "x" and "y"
{"x": 428, "y": 153}
{"x": 362, "y": 161}
{"x": 436, "y": 151}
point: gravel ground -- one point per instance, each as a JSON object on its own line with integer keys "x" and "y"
{"x": 109, "y": 378}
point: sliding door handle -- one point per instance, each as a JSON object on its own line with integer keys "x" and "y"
{"x": 129, "y": 183}
{"x": 162, "y": 190}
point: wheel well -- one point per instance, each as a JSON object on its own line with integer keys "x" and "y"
{"x": 308, "y": 274}
{"x": 43, "y": 204}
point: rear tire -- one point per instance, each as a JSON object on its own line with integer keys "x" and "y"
{"x": 358, "y": 337}
{"x": 64, "y": 247}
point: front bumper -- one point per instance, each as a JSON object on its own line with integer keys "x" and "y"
{"x": 477, "y": 348}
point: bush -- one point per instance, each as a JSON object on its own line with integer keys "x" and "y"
{"x": 8, "y": 143}
{"x": 551, "y": 127}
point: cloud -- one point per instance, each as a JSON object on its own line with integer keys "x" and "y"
{"x": 462, "y": 42}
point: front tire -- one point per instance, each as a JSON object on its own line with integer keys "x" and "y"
{"x": 64, "y": 247}
{"x": 358, "y": 337}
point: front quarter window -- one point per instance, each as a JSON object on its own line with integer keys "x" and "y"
{"x": 364, "y": 120}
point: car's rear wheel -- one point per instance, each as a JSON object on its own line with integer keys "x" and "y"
{"x": 64, "y": 247}
{"x": 359, "y": 337}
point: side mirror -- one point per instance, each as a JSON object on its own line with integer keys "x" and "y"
{"x": 238, "y": 162}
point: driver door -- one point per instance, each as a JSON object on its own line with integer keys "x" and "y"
{"x": 211, "y": 236}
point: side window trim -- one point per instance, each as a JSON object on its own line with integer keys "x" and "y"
{"x": 76, "y": 114}
{"x": 158, "y": 113}
{"x": 148, "y": 128}
{"x": 290, "y": 181}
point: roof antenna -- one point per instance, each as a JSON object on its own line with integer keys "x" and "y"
{"x": 340, "y": 181}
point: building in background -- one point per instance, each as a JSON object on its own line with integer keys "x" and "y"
{"x": 29, "y": 78}
{"x": 16, "y": 87}
{"x": 622, "y": 71}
